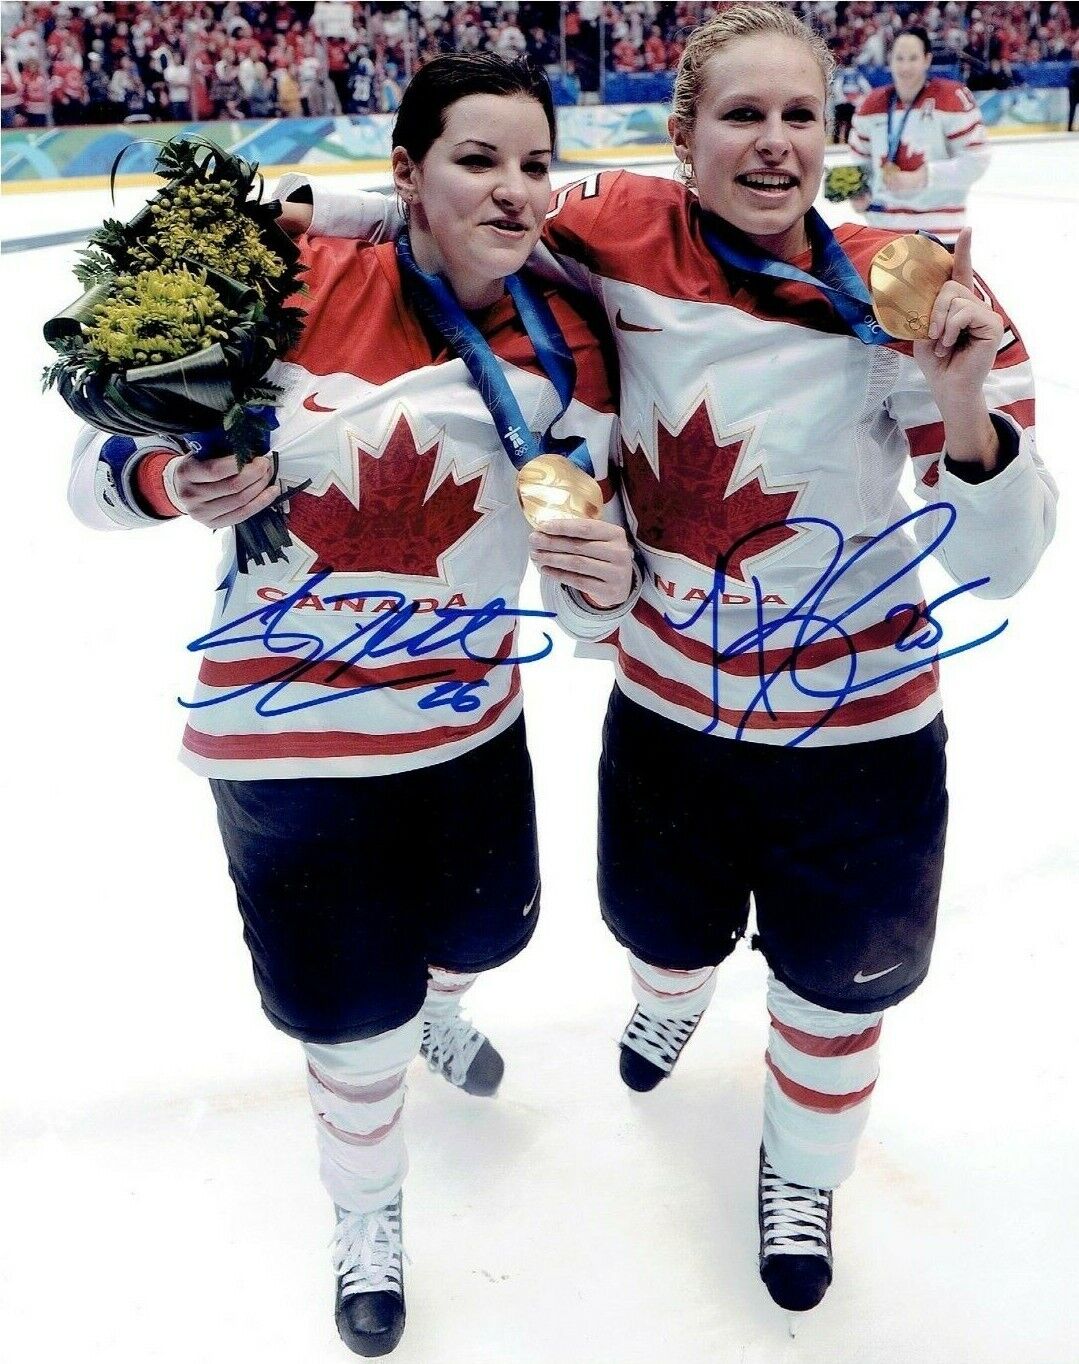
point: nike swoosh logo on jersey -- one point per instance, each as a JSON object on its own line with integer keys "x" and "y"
{"x": 313, "y": 405}
{"x": 861, "y": 979}
{"x": 624, "y": 326}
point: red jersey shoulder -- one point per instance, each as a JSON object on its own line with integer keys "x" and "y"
{"x": 353, "y": 311}
{"x": 648, "y": 235}
{"x": 328, "y": 258}
{"x": 876, "y": 102}
{"x": 861, "y": 244}
{"x": 614, "y": 220}
{"x": 586, "y": 332}
{"x": 580, "y": 327}
{"x": 950, "y": 97}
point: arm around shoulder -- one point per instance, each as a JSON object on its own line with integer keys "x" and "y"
{"x": 363, "y": 215}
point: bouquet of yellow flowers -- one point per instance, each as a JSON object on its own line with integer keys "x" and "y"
{"x": 183, "y": 313}
{"x": 844, "y": 182}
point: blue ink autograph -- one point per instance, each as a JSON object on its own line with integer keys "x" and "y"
{"x": 813, "y": 622}
{"x": 391, "y": 633}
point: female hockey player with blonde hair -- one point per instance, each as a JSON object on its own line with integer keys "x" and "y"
{"x": 359, "y": 703}
{"x": 775, "y": 730}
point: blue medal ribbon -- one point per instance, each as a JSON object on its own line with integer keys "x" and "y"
{"x": 838, "y": 280}
{"x": 895, "y": 141}
{"x": 442, "y": 309}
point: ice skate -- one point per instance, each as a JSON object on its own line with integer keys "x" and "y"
{"x": 456, "y": 1050}
{"x": 370, "y": 1304}
{"x": 650, "y": 1046}
{"x": 796, "y": 1241}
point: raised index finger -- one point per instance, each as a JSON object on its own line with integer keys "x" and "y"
{"x": 963, "y": 270}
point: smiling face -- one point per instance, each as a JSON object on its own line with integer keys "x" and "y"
{"x": 909, "y": 65}
{"x": 757, "y": 139}
{"x": 478, "y": 198}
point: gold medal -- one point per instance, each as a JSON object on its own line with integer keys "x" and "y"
{"x": 904, "y": 278}
{"x": 551, "y": 486}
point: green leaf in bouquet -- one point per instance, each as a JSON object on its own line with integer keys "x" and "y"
{"x": 94, "y": 267}
{"x": 249, "y": 432}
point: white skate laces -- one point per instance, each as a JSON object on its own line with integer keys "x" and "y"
{"x": 367, "y": 1250}
{"x": 795, "y": 1220}
{"x": 659, "y": 1040}
{"x": 450, "y": 1044}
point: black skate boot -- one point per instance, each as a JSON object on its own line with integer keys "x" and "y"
{"x": 796, "y": 1240}
{"x": 453, "y": 1048}
{"x": 370, "y": 1305}
{"x": 650, "y": 1046}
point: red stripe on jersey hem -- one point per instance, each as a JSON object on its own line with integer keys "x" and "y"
{"x": 862, "y": 711}
{"x": 337, "y": 743}
{"x": 964, "y": 131}
{"x": 1021, "y": 411}
{"x": 813, "y": 1098}
{"x": 926, "y": 440}
{"x": 885, "y": 634}
{"x": 949, "y": 208}
{"x": 810, "y": 1044}
{"x": 330, "y": 673}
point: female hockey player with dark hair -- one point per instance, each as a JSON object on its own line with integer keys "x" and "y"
{"x": 358, "y": 710}
{"x": 922, "y": 142}
{"x": 775, "y": 730}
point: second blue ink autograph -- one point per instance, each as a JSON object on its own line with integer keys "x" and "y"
{"x": 813, "y": 621}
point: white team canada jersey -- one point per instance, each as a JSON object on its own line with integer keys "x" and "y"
{"x": 385, "y": 641}
{"x": 762, "y": 448}
{"x": 943, "y": 132}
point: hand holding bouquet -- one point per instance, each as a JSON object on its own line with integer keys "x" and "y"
{"x": 183, "y": 314}
{"x": 845, "y": 182}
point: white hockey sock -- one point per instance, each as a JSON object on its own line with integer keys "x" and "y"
{"x": 671, "y": 994}
{"x": 822, "y": 1067}
{"x": 445, "y": 990}
{"x": 357, "y": 1090}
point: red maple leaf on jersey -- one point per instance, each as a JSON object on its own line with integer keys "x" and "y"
{"x": 402, "y": 524}
{"x": 691, "y": 509}
{"x": 905, "y": 159}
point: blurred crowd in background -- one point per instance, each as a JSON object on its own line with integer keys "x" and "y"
{"x": 94, "y": 63}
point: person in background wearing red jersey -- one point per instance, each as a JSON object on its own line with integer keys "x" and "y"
{"x": 923, "y": 144}
{"x": 11, "y": 97}
{"x": 378, "y": 812}
{"x": 36, "y": 101}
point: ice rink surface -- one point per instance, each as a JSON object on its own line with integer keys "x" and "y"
{"x": 158, "y": 1190}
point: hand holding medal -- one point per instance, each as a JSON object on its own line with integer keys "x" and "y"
{"x": 956, "y": 334}
{"x": 591, "y": 556}
{"x": 922, "y": 293}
